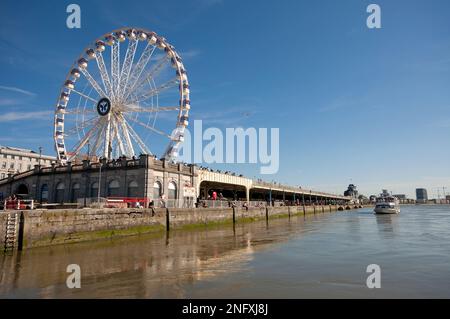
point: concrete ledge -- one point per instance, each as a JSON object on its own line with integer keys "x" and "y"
{"x": 52, "y": 227}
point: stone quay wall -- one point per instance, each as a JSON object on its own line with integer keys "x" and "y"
{"x": 52, "y": 227}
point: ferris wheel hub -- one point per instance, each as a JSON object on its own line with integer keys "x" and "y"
{"x": 103, "y": 106}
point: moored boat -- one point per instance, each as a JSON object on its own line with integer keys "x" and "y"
{"x": 387, "y": 205}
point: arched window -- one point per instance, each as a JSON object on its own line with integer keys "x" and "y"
{"x": 156, "y": 190}
{"x": 172, "y": 190}
{"x": 75, "y": 192}
{"x": 133, "y": 189}
{"x": 59, "y": 192}
{"x": 113, "y": 188}
{"x": 44, "y": 193}
{"x": 94, "y": 189}
{"x": 22, "y": 189}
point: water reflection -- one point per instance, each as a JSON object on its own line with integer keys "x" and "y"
{"x": 145, "y": 266}
{"x": 317, "y": 256}
{"x": 386, "y": 223}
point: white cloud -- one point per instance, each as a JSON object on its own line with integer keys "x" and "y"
{"x": 18, "y": 116}
{"x": 8, "y": 102}
{"x": 17, "y": 90}
{"x": 190, "y": 54}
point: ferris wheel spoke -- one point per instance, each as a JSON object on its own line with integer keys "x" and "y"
{"x": 118, "y": 138}
{"x": 107, "y": 147}
{"x": 126, "y": 68}
{"x": 104, "y": 73}
{"x": 139, "y": 109}
{"x": 80, "y": 126}
{"x": 165, "y": 86}
{"x": 115, "y": 65}
{"x": 97, "y": 140}
{"x": 92, "y": 81}
{"x": 138, "y": 69}
{"x": 123, "y": 125}
{"x": 148, "y": 127}
{"x": 84, "y": 95}
{"x": 79, "y": 112}
{"x": 138, "y": 140}
{"x": 83, "y": 142}
{"x": 153, "y": 72}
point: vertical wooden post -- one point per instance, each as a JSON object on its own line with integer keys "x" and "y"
{"x": 167, "y": 219}
{"x": 234, "y": 215}
{"x": 20, "y": 232}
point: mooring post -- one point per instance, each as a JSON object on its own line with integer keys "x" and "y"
{"x": 289, "y": 212}
{"x": 167, "y": 219}
{"x": 234, "y": 215}
{"x": 267, "y": 214}
{"x": 20, "y": 233}
{"x": 304, "y": 209}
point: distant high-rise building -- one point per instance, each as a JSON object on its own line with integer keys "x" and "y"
{"x": 421, "y": 195}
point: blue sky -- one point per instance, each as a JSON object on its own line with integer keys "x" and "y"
{"x": 370, "y": 107}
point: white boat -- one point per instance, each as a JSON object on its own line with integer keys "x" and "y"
{"x": 387, "y": 205}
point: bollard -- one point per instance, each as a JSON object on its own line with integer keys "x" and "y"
{"x": 304, "y": 210}
{"x": 20, "y": 235}
{"x": 289, "y": 212}
{"x": 267, "y": 213}
{"x": 234, "y": 215}
{"x": 167, "y": 220}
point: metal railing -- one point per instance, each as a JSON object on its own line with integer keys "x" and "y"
{"x": 172, "y": 203}
{"x": 17, "y": 204}
{"x": 92, "y": 202}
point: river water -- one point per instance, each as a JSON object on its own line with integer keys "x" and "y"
{"x": 318, "y": 256}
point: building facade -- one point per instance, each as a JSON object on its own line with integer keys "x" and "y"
{"x": 15, "y": 160}
{"x": 421, "y": 195}
{"x": 178, "y": 185}
{"x": 144, "y": 177}
{"x": 351, "y": 191}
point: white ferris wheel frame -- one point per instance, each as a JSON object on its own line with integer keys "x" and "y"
{"x": 119, "y": 87}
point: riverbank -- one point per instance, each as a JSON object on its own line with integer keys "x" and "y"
{"x": 35, "y": 228}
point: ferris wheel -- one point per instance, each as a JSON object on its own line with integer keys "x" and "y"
{"x": 127, "y": 90}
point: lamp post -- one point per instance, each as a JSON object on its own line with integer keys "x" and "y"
{"x": 40, "y": 156}
{"x": 99, "y": 181}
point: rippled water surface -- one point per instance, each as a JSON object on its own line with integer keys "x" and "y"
{"x": 317, "y": 256}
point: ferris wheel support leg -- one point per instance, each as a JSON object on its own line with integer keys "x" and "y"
{"x": 129, "y": 146}
{"x": 107, "y": 147}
